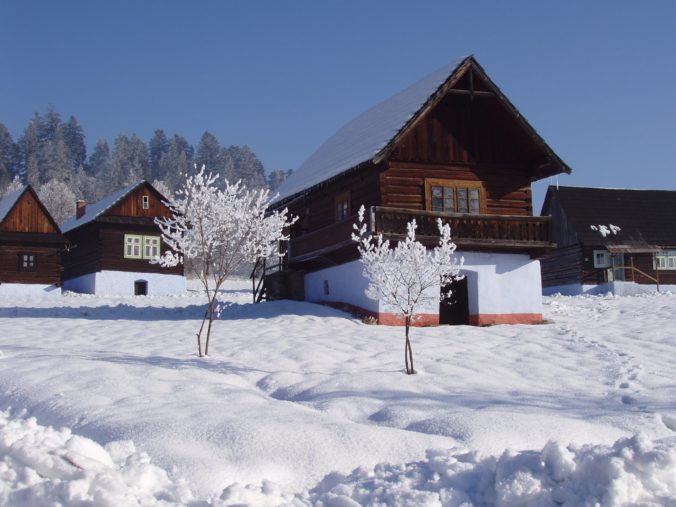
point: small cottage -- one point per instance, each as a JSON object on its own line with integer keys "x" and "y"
{"x": 637, "y": 254}
{"x": 113, "y": 242}
{"x": 450, "y": 146}
{"x": 30, "y": 246}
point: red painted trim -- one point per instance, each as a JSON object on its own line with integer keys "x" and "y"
{"x": 384, "y": 318}
{"x": 491, "y": 319}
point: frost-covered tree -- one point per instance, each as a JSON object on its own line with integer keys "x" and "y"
{"x": 59, "y": 200}
{"x": 13, "y": 186}
{"x": 407, "y": 276}
{"x": 8, "y": 156}
{"x": 163, "y": 189}
{"x": 221, "y": 229}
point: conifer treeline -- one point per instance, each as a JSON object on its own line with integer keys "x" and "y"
{"x": 53, "y": 149}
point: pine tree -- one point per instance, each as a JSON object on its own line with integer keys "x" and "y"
{"x": 208, "y": 153}
{"x": 242, "y": 164}
{"x": 99, "y": 163}
{"x": 29, "y": 152}
{"x": 176, "y": 162}
{"x": 158, "y": 146}
{"x": 73, "y": 136}
{"x": 8, "y": 157}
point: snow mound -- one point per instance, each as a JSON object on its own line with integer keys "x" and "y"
{"x": 634, "y": 471}
{"x": 44, "y": 466}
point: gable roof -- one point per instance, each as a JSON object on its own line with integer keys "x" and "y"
{"x": 369, "y": 136}
{"x": 92, "y": 211}
{"x": 8, "y": 202}
{"x": 646, "y": 217}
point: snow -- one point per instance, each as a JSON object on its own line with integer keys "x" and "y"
{"x": 365, "y": 136}
{"x": 300, "y": 404}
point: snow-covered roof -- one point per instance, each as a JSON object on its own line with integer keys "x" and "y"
{"x": 364, "y": 137}
{"x": 8, "y": 202}
{"x": 94, "y": 210}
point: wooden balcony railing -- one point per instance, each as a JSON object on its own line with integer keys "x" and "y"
{"x": 467, "y": 231}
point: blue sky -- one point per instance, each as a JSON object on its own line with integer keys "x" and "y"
{"x": 596, "y": 79}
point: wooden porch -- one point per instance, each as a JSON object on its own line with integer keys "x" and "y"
{"x": 525, "y": 234}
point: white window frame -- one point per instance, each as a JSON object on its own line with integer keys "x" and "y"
{"x": 606, "y": 256}
{"x": 152, "y": 242}
{"x": 145, "y": 202}
{"x": 130, "y": 244}
{"x": 151, "y": 247}
{"x": 665, "y": 260}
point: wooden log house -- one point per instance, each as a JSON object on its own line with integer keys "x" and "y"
{"x": 450, "y": 146}
{"x": 113, "y": 242}
{"x": 30, "y": 246}
{"x": 640, "y": 256}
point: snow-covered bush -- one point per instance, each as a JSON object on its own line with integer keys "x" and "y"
{"x": 401, "y": 277}
{"x": 13, "y": 186}
{"x": 58, "y": 199}
{"x": 220, "y": 229}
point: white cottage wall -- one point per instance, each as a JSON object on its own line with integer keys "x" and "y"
{"x": 121, "y": 283}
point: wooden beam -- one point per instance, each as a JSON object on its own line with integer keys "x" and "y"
{"x": 476, "y": 93}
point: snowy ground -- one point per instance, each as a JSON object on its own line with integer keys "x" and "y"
{"x": 294, "y": 397}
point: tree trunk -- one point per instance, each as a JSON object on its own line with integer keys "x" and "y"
{"x": 199, "y": 334}
{"x": 211, "y": 320}
{"x": 408, "y": 352}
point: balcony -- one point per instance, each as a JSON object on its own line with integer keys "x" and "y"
{"x": 524, "y": 234}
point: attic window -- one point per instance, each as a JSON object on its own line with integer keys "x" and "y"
{"x": 146, "y": 202}
{"x": 451, "y": 196}
{"x": 342, "y": 206}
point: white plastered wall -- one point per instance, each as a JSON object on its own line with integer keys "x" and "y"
{"x": 497, "y": 284}
{"x": 345, "y": 283}
{"x": 502, "y": 283}
{"x": 121, "y": 283}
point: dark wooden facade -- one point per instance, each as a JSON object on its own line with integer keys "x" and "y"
{"x": 98, "y": 244}
{"x": 647, "y": 221}
{"x": 30, "y": 243}
{"x": 469, "y": 135}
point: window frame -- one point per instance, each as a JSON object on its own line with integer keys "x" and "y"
{"x": 147, "y": 243}
{"x": 127, "y": 238}
{"x": 342, "y": 206}
{"x": 32, "y": 266}
{"x": 606, "y": 254}
{"x": 666, "y": 256}
{"x": 145, "y": 202}
{"x": 456, "y": 185}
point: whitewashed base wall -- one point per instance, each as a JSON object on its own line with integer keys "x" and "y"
{"x": 504, "y": 286}
{"x": 121, "y": 283}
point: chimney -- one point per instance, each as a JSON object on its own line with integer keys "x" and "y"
{"x": 80, "y": 207}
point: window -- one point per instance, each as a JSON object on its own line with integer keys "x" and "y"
{"x": 141, "y": 247}
{"x": 342, "y": 206}
{"x": 601, "y": 259}
{"x": 132, "y": 246}
{"x": 27, "y": 262}
{"x": 151, "y": 247}
{"x": 450, "y": 196}
{"x": 666, "y": 259}
{"x": 146, "y": 202}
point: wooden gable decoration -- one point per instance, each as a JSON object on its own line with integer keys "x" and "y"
{"x": 142, "y": 201}
{"x": 468, "y": 120}
{"x": 29, "y": 215}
